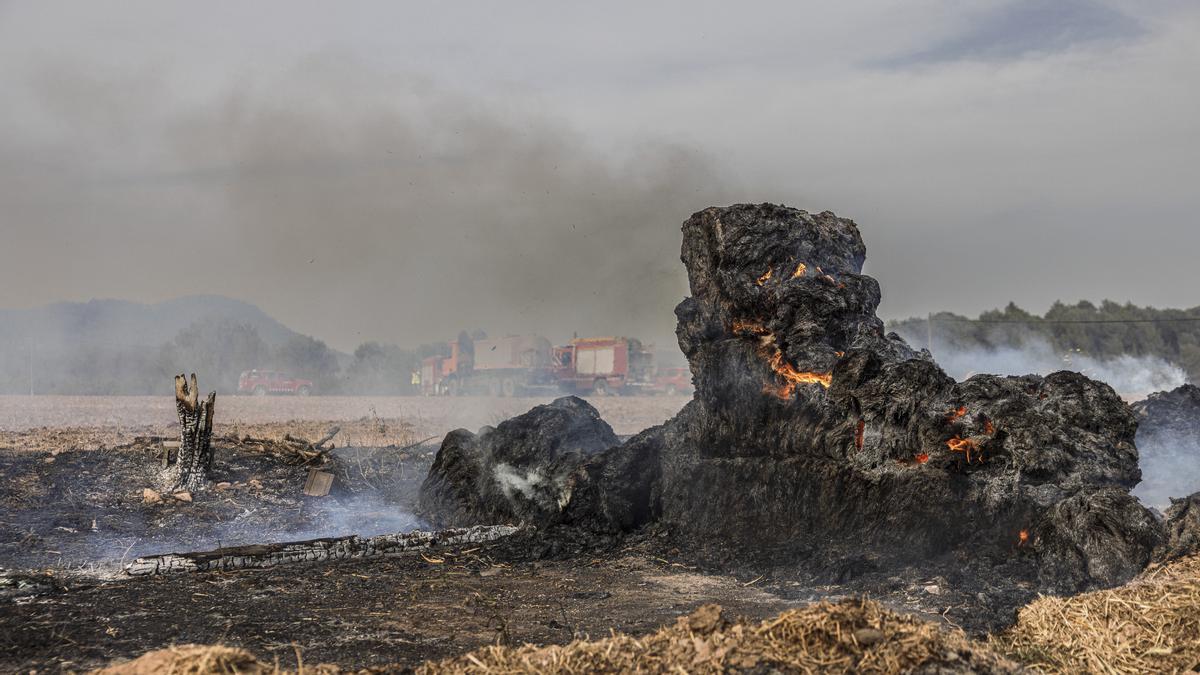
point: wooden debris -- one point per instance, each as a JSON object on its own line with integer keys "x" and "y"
{"x": 318, "y": 483}
{"x": 291, "y": 450}
{"x": 151, "y": 496}
{"x": 315, "y": 550}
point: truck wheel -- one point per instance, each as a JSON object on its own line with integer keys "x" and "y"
{"x": 508, "y": 387}
{"x": 600, "y": 387}
{"x": 260, "y": 390}
{"x": 303, "y": 391}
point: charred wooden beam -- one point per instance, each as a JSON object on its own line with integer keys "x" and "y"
{"x": 353, "y": 547}
{"x": 194, "y": 460}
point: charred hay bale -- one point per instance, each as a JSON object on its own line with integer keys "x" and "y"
{"x": 812, "y": 425}
{"x": 1103, "y": 537}
{"x": 813, "y": 430}
{"x": 520, "y": 471}
{"x": 1168, "y": 440}
{"x": 1182, "y": 528}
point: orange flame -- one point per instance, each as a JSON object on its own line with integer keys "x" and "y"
{"x": 988, "y": 427}
{"x": 921, "y": 457}
{"x": 792, "y": 376}
{"x": 774, "y": 357}
{"x": 751, "y": 327}
{"x": 965, "y": 446}
{"x": 1023, "y": 537}
{"x": 859, "y": 433}
{"x": 764, "y": 278}
{"x": 956, "y": 414}
{"x": 800, "y": 270}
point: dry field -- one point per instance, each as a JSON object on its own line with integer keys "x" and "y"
{"x": 91, "y": 422}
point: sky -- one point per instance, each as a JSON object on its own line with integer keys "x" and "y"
{"x": 398, "y": 171}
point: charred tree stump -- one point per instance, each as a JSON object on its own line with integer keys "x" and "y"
{"x": 194, "y": 460}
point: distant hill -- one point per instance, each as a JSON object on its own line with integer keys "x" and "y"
{"x": 118, "y": 346}
{"x": 121, "y": 322}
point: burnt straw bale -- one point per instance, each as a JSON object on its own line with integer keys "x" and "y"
{"x": 812, "y": 429}
{"x": 1168, "y": 441}
{"x": 524, "y": 469}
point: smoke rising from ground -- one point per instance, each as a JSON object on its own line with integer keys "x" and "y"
{"x": 1131, "y": 376}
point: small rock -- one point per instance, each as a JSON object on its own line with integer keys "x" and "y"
{"x": 868, "y": 636}
{"x": 150, "y": 496}
{"x": 49, "y": 460}
{"x": 184, "y": 496}
{"x": 224, "y": 485}
{"x": 933, "y": 589}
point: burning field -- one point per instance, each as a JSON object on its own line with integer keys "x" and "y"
{"x": 820, "y": 461}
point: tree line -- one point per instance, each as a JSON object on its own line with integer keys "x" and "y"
{"x": 219, "y": 351}
{"x": 1106, "y": 330}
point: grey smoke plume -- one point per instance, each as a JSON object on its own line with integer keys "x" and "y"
{"x": 354, "y": 205}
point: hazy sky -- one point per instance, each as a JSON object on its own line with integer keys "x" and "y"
{"x": 397, "y": 171}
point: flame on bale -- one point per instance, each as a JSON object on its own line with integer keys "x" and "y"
{"x": 792, "y": 377}
{"x": 921, "y": 457}
{"x": 766, "y": 277}
{"x": 965, "y": 446}
{"x": 800, "y": 270}
{"x": 1022, "y": 537}
{"x": 750, "y": 327}
{"x": 859, "y": 433}
{"x": 956, "y": 414}
{"x": 789, "y": 374}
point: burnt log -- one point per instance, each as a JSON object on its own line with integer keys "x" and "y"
{"x": 193, "y": 461}
{"x": 314, "y": 550}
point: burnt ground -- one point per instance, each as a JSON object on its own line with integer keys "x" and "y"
{"x": 67, "y": 607}
{"x": 391, "y": 611}
{"x": 85, "y": 510}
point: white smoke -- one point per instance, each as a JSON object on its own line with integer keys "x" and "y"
{"x": 511, "y": 481}
{"x": 1133, "y": 377}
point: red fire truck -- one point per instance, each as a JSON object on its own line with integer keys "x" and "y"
{"x": 510, "y": 366}
{"x": 527, "y": 364}
{"x": 604, "y": 365}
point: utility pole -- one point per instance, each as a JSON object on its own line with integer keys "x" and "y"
{"x": 929, "y": 332}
